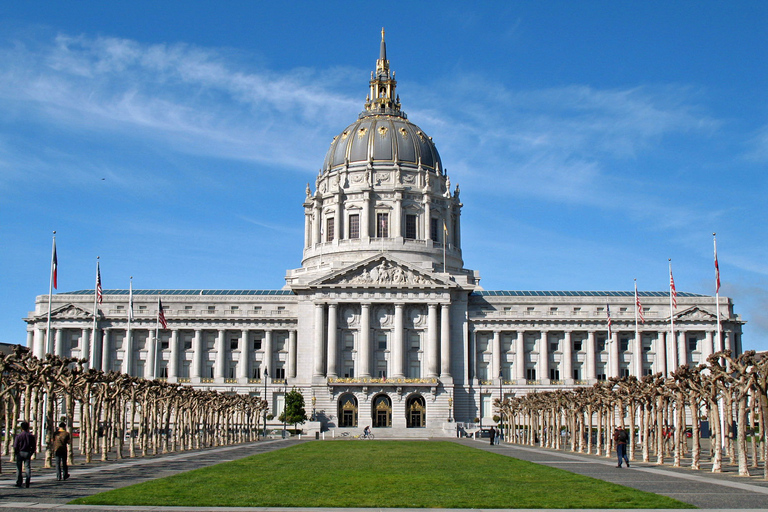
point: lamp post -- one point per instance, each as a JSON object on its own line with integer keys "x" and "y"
{"x": 501, "y": 399}
{"x": 285, "y": 403}
{"x": 480, "y": 402}
{"x": 266, "y": 374}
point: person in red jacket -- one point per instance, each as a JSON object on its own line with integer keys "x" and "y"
{"x": 24, "y": 447}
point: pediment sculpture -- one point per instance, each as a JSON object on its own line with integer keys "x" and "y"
{"x": 382, "y": 272}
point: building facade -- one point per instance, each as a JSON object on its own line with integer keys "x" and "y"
{"x": 382, "y": 324}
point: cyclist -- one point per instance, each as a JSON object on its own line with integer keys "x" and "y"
{"x": 367, "y": 431}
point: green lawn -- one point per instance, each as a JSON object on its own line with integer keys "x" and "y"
{"x": 381, "y": 474}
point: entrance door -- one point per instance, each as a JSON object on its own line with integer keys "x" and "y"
{"x": 382, "y": 411}
{"x": 416, "y": 410}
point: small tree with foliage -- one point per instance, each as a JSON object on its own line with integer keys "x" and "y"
{"x": 294, "y": 408}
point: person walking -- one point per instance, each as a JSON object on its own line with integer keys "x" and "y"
{"x": 61, "y": 440}
{"x": 23, "y": 449}
{"x": 621, "y": 437}
{"x": 493, "y": 434}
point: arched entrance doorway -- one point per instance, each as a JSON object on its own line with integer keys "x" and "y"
{"x": 347, "y": 410}
{"x": 416, "y": 412}
{"x": 382, "y": 411}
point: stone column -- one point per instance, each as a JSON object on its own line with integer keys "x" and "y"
{"x": 457, "y": 229}
{"x": 613, "y": 355}
{"x": 567, "y": 366}
{"x": 397, "y": 215}
{"x": 445, "y": 341}
{"x": 151, "y": 364}
{"x": 495, "y": 356}
{"x": 365, "y": 216}
{"x": 221, "y": 350}
{"x": 308, "y": 236}
{"x": 196, "y": 370}
{"x": 591, "y": 369}
{"x": 292, "y": 354}
{"x": 85, "y": 345}
{"x": 637, "y": 355}
{"x": 318, "y": 356}
{"x": 128, "y": 352}
{"x": 245, "y": 355}
{"x": 398, "y": 343}
{"x": 520, "y": 357}
{"x": 31, "y": 341}
{"x": 729, "y": 342}
{"x": 173, "y": 359}
{"x": 433, "y": 354}
{"x": 661, "y": 353}
{"x": 58, "y": 344}
{"x": 333, "y": 340}
{"x": 682, "y": 348}
{"x": 365, "y": 341}
{"x": 708, "y": 348}
{"x": 106, "y": 351}
{"x": 672, "y": 352}
{"x": 339, "y": 219}
{"x": 427, "y": 218}
{"x": 544, "y": 357}
{"x": 318, "y": 224}
{"x": 39, "y": 335}
{"x": 267, "y": 362}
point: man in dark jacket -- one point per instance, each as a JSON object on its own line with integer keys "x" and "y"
{"x": 61, "y": 440}
{"x": 621, "y": 437}
{"x": 23, "y": 449}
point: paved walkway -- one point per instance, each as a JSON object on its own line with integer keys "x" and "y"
{"x": 702, "y": 489}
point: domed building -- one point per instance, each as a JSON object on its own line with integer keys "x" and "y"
{"x": 382, "y": 325}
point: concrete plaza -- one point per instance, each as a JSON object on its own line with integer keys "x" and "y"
{"x": 699, "y": 488}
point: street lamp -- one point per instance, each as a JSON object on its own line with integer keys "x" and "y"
{"x": 501, "y": 399}
{"x": 481, "y": 406}
{"x": 266, "y": 374}
{"x": 285, "y": 403}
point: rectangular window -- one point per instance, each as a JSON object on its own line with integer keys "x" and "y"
{"x": 354, "y": 226}
{"x": 185, "y": 369}
{"x": 434, "y": 234}
{"x": 410, "y": 226}
{"x": 329, "y": 226}
{"x": 383, "y": 344}
{"x": 164, "y": 345}
{"x": 142, "y": 308}
{"x": 647, "y": 347}
{"x": 381, "y": 369}
{"x": 231, "y": 372}
{"x": 256, "y": 345}
{"x": 187, "y": 308}
{"x": 647, "y": 371}
{"x": 414, "y": 370}
{"x": 233, "y": 344}
{"x": 257, "y": 371}
{"x": 600, "y": 376}
{"x": 624, "y": 372}
{"x": 211, "y": 309}
{"x": 600, "y": 344}
{"x": 382, "y": 225}
{"x": 350, "y": 370}
{"x": 554, "y": 374}
{"x": 530, "y": 373}
{"x": 280, "y": 373}
{"x": 624, "y": 344}
{"x": 234, "y": 308}
{"x": 577, "y": 344}
{"x": 693, "y": 343}
{"x": 554, "y": 346}
{"x": 577, "y": 374}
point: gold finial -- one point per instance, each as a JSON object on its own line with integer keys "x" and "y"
{"x": 382, "y": 33}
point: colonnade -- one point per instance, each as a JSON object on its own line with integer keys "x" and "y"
{"x": 579, "y": 349}
{"x": 437, "y": 349}
{"x": 101, "y": 351}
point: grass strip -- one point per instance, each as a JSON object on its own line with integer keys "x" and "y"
{"x": 387, "y": 474}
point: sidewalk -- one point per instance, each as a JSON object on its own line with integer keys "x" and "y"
{"x": 702, "y": 489}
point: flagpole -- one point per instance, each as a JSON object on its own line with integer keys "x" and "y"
{"x": 157, "y": 335}
{"x": 92, "y": 341}
{"x": 638, "y": 348}
{"x": 717, "y": 295}
{"x": 54, "y": 264}
{"x": 672, "y": 307}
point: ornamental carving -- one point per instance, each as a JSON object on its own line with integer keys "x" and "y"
{"x": 696, "y": 314}
{"x": 383, "y": 273}
{"x": 383, "y": 315}
{"x": 349, "y": 316}
{"x": 416, "y": 316}
{"x": 72, "y": 313}
{"x": 382, "y": 177}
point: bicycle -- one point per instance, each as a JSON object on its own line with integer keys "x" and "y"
{"x": 367, "y": 436}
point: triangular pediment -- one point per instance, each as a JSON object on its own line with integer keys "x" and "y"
{"x": 695, "y": 313}
{"x": 70, "y": 312}
{"x": 384, "y": 271}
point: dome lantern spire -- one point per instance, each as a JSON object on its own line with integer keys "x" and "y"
{"x": 382, "y": 98}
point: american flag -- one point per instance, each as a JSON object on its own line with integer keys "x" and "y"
{"x": 638, "y": 305}
{"x": 717, "y": 267}
{"x": 608, "y": 312}
{"x": 672, "y": 289}
{"x": 161, "y": 314}
{"x": 99, "y": 291}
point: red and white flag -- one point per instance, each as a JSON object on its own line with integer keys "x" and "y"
{"x": 672, "y": 289}
{"x": 161, "y": 314}
{"x": 99, "y": 291}
{"x": 608, "y": 312}
{"x": 638, "y": 306}
{"x": 717, "y": 266}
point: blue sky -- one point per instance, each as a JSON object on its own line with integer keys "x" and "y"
{"x": 592, "y": 140}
